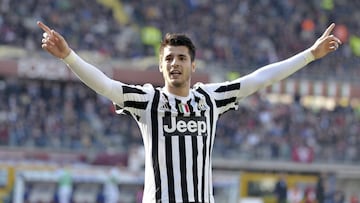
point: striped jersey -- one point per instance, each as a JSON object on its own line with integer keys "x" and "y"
{"x": 179, "y": 132}
{"x": 178, "y": 135}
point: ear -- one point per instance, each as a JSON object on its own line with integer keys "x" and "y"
{"x": 160, "y": 68}
{"x": 193, "y": 66}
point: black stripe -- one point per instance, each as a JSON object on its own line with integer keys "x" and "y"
{"x": 209, "y": 103}
{"x": 224, "y": 102}
{"x": 155, "y": 150}
{"x": 169, "y": 168}
{"x": 191, "y": 108}
{"x": 182, "y": 153}
{"x": 177, "y": 102}
{"x": 194, "y": 155}
{"x": 117, "y": 107}
{"x": 137, "y": 117}
{"x": 203, "y": 169}
{"x": 136, "y": 104}
{"x": 230, "y": 87}
{"x": 194, "y": 168}
{"x": 169, "y": 164}
{"x": 197, "y": 99}
{"x": 129, "y": 89}
{"x": 192, "y": 112}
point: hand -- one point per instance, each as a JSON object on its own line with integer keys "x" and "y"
{"x": 53, "y": 42}
{"x": 325, "y": 44}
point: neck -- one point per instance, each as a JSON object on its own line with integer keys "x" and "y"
{"x": 178, "y": 91}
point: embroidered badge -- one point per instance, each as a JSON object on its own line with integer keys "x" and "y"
{"x": 184, "y": 108}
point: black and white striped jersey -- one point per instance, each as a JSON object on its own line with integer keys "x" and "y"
{"x": 178, "y": 134}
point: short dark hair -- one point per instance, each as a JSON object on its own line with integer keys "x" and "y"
{"x": 178, "y": 39}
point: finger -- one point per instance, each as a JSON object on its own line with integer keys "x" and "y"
{"x": 334, "y": 45}
{"x": 47, "y": 47}
{"x": 44, "y": 27}
{"x": 51, "y": 43}
{"x": 333, "y": 48}
{"x": 336, "y": 40}
{"x": 45, "y": 35}
{"x": 328, "y": 30}
{"x": 56, "y": 34}
{"x": 48, "y": 41}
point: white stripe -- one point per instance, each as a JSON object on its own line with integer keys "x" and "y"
{"x": 207, "y": 172}
{"x": 200, "y": 164}
{"x": 189, "y": 167}
{"x": 176, "y": 167}
{"x": 149, "y": 189}
{"x": 189, "y": 157}
{"x": 210, "y": 164}
{"x": 162, "y": 161}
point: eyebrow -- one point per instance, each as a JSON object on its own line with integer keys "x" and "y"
{"x": 178, "y": 55}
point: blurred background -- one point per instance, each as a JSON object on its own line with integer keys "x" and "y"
{"x": 61, "y": 142}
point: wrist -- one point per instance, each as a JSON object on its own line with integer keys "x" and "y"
{"x": 70, "y": 57}
{"x": 311, "y": 56}
{"x": 67, "y": 53}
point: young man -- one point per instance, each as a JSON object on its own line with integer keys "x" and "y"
{"x": 178, "y": 122}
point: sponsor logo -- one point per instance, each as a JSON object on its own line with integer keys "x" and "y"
{"x": 202, "y": 105}
{"x": 184, "y": 126}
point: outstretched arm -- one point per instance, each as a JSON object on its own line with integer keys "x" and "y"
{"x": 56, "y": 45}
{"x": 326, "y": 44}
{"x": 53, "y": 42}
{"x": 275, "y": 72}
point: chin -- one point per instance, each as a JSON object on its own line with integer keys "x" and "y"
{"x": 177, "y": 84}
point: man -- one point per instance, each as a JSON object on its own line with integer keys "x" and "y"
{"x": 280, "y": 190}
{"x": 65, "y": 186}
{"x": 111, "y": 187}
{"x": 178, "y": 122}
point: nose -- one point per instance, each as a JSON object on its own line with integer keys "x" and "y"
{"x": 174, "y": 62}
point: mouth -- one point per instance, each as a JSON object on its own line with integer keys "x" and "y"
{"x": 175, "y": 73}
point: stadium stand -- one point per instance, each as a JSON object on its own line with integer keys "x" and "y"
{"x": 65, "y": 116}
{"x": 77, "y": 119}
{"x": 66, "y": 111}
{"x": 244, "y": 41}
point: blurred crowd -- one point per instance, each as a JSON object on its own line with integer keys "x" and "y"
{"x": 263, "y": 130}
{"x": 234, "y": 35}
{"x": 57, "y": 116}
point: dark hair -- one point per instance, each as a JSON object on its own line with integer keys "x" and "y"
{"x": 176, "y": 39}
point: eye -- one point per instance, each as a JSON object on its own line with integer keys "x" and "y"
{"x": 168, "y": 59}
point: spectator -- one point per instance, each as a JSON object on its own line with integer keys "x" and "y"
{"x": 295, "y": 194}
{"x": 281, "y": 189}
{"x": 111, "y": 188}
{"x": 65, "y": 187}
{"x": 320, "y": 188}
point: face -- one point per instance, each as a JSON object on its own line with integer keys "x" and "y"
{"x": 176, "y": 66}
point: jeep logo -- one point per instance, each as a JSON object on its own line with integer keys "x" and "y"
{"x": 184, "y": 126}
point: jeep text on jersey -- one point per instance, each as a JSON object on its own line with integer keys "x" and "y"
{"x": 184, "y": 126}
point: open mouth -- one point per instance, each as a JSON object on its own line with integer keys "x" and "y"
{"x": 175, "y": 73}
